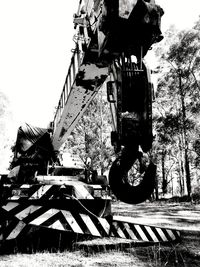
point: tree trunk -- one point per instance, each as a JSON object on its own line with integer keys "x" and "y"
{"x": 156, "y": 189}
{"x": 164, "y": 179}
{"x": 185, "y": 141}
{"x": 187, "y": 170}
{"x": 172, "y": 182}
{"x": 181, "y": 168}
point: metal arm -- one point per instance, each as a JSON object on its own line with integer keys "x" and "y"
{"x": 109, "y": 34}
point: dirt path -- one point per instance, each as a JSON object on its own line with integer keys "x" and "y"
{"x": 180, "y": 216}
{"x": 174, "y": 215}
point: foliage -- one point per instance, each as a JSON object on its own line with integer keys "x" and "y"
{"x": 5, "y": 140}
{"x": 91, "y": 137}
{"x": 176, "y": 109}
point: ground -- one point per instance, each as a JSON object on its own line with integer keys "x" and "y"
{"x": 182, "y": 216}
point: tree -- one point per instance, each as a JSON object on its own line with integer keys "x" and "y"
{"x": 178, "y": 97}
{"x": 5, "y": 140}
{"x": 91, "y": 137}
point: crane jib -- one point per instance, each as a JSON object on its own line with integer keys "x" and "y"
{"x": 105, "y": 48}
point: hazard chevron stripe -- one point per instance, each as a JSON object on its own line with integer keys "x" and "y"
{"x": 81, "y": 223}
{"x": 41, "y": 192}
{"x": 146, "y": 233}
{"x": 72, "y": 222}
{"x": 32, "y": 192}
{"x": 27, "y": 211}
{"x": 82, "y": 192}
{"x": 90, "y": 224}
{"x": 16, "y": 231}
{"x": 10, "y": 206}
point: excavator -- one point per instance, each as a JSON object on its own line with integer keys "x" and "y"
{"x": 41, "y": 193}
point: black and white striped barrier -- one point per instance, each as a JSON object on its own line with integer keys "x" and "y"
{"x": 22, "y": 216}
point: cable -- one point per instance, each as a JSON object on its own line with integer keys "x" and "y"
{"x": 91, "y": 213}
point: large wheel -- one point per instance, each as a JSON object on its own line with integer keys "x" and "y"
{"x": 132, "y": 180}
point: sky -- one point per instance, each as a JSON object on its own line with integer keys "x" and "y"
{"x": 181, "y": 13}
{"x": 35, "y": 51}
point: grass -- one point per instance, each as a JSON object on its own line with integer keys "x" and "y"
{"x": 185, "y": 254}
{"x": 72, "y": 259}
{"x": 153, "y": 256}
{"x": 111, "y": 252}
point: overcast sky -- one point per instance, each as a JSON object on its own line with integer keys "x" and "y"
{"x": 35, "y": 49}
{"x": 182, "y": 13}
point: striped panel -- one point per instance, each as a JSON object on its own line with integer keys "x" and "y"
{"x": 56, "y": 219}
{"x": 21, "y": 211}
{"x": 90, "y": 224}
{"x": 41, "y": 192}
{"x": 57, "y": 225}
{"x": 22, "y": 192}
{"x": 27, "y": 211}
{"x": 105, "y": 225}
{"x": 17, "y": 197}
{"x": 118, "y": 231}
{"x": 33, "y": 192}
{"x": 100, "y": 227}
{"x": 21, "y": 216}
{"x": 44, "y": 217}
{"x": 72, "y": 222}
{"x": 143, "y": 232}
{"x": 81, "y": 192}
{"x": 10, "y": 206}
{"x": 77, "y": 223}
{"x": 151, "y": 233}
{"x": 129, "y": 231}
{"x": 172, "y": 234}
{"x": 11, "y": 228}
{"x": 16, "y": 230}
